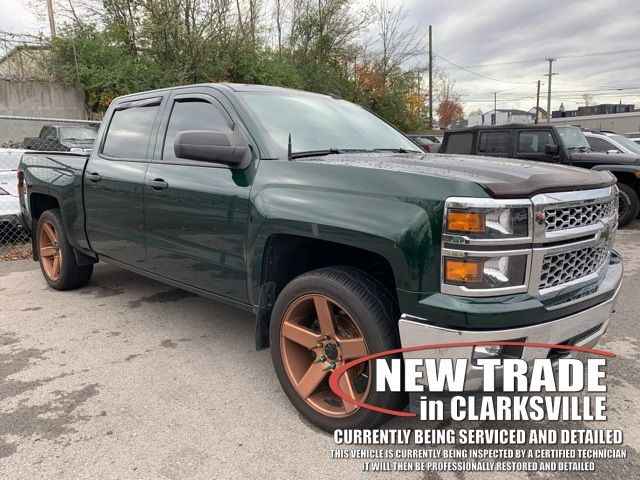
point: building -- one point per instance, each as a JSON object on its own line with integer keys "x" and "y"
{"x": 614, "y": 122}
{"x": 602, "y": 109}
{"x": 542, "y": 114}
{"x": 502, "y": 117}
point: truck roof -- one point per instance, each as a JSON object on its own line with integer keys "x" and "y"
{"x": 508, "y": 126}
{"x": 234, "y": 87}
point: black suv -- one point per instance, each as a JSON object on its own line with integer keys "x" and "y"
{"x": 554, "y": 144}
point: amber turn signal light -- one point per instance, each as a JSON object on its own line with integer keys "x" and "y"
{"x": 467, "y": 222}
{"x": 459, "y": 271}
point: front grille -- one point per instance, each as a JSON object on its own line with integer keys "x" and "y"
{"x": 561, "y": 268}
{"x": 564, "y": 218}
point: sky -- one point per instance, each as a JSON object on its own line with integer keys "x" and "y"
{"x": 506, "y": 41}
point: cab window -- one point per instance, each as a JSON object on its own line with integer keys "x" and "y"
{"x": 460, "y": 143}
{"x": 192, "y": 114}
{"x": 534, "y": 141}
{"x": 494, "y": 142}
{"x": 129, "y": 132}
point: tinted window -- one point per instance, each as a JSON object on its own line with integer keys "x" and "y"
{"x": 494, "y": 142}
{"x": 600, "y": 144}
{"x": 192, "y": 115}
{"x": 460, "y": 143}
{"x": 534, "y": 142}
{"x": 129, "y": 132}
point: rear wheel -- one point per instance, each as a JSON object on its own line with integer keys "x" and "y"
{"x": 57, "y": 260}
{"x": 629, "y": 205}
{"x": 320, "y": 321}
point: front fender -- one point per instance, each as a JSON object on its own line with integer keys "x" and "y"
{"x": 405, "y": 234}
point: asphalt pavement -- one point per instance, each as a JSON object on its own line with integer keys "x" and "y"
{"x": 130, "y": 378}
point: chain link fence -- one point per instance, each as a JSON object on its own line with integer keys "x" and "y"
{"x": 28, "y": 134}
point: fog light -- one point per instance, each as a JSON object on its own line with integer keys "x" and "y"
{"x": 485, "y": 351}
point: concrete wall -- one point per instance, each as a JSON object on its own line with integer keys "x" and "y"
{"x": 616, "y": 122}
{"x": 36, "y": 99}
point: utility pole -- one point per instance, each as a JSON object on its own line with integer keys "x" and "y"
{"x": 430, "y": 79}
{"x": 550, "y": 74}
{"x": 495, "y": 109}
{"x": 538, "y": 103}
{"x": 52, "y": 21}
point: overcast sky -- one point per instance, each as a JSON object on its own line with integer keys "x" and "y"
{"x": 486, "y": 37}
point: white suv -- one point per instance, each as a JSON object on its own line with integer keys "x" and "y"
{"x": 609, "y": 142}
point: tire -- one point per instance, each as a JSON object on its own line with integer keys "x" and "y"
{"x": 56, "y": 256}
{"x": 362, "y": 310}
{"x": 629, "y": 205}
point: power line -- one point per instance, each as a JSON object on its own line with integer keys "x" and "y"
{"x": 476, "y": 74}
{"x": 531, "y": 60}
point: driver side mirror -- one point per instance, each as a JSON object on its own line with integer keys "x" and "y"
{"x": 212, "y": 147}
{"x": 613, "y": 151}
{"x": 551, "y": 149}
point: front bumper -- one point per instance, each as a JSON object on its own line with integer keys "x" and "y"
{"x": 583, "y": 328}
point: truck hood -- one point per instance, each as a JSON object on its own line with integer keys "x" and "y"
{"x": 599, "y": 158}
{"x": 501, "y": 177}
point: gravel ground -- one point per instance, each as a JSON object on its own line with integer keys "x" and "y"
{"x": 130, "y": 378}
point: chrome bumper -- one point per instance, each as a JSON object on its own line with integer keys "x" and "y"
{"x": 586, "y": 326}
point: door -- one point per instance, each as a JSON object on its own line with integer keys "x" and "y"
{"x": 197, "y": 212}
{"x": 530, "y": 145}
{"x": 114, "y": 183}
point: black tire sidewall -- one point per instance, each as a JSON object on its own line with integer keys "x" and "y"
{"x": 71, "y": 274}
{"x": 630, "y": 196}
{"x": 319, "y": 284}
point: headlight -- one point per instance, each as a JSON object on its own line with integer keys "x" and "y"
{"x": 485, "y": 272}
{"x": 489, "y": 223}
{"x": 486, "y": 246}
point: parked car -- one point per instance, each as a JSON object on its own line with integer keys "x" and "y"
{"x": 608, "y": 142}
{"x": 330, "y": 226}
{"x": 9, "y": 204}
{"x": 62, "y": 138}
{"x": 551, "y": 144}
{"x": 425, "y": 142}
{"x": 632, "y": 135}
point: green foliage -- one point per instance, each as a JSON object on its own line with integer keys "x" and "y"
{"x": 139, "y": 45}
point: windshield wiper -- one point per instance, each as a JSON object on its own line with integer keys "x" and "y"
{"x": 329, "y": 151}
{"x": 333, "y": 151}
{"x": 316, "y": 153}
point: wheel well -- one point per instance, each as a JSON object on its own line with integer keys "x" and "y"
{"x": 628, "y": 178}
{"x": 287, "y": 256}
{"x": 40, "y": 203}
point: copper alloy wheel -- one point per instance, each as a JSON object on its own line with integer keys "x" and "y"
{"x": 49, "y": 251}
{"x": 318, "y": 335}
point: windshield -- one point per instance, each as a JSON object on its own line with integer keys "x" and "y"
{"x": 77, "y": 133}
{"x": 572, "y": 137}
{"x": 628, "y": 144}
{"x": 322, "y": 123}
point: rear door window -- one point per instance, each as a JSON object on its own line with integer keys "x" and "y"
{"x": 129, "y": 132}
{"x": 460, "y": 143}
{"x": 494, "y": 142}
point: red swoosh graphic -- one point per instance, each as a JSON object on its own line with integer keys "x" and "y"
{"x": 338, "y": 372}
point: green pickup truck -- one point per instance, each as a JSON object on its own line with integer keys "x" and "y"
{"x": 333, "y": 229}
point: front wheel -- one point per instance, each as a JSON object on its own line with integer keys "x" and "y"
{"x": 57, "y": 259}
{"x": 628, "y": 206}
{"x": 321, "y": 320}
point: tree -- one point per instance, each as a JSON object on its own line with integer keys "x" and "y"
{"x": 588, "y": 99}
{"x": 450, "y": 110}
